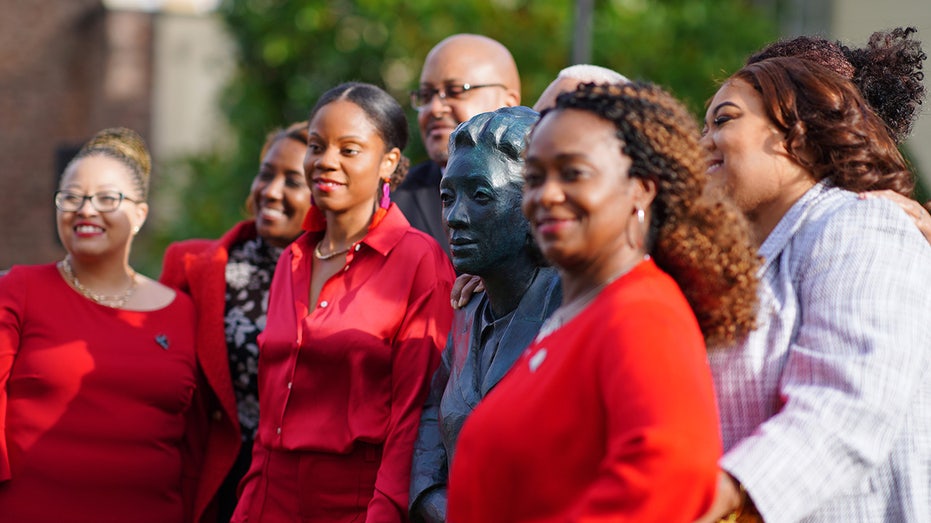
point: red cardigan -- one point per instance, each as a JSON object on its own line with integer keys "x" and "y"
{"x": 198, "y": 267}
{"x": 610, "y": 418}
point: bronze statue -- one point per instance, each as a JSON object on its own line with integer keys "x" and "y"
{"x": 490, "y": 238}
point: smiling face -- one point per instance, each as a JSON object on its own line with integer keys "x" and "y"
{"x": 346, "y": 158}
{"x": 87, "y": 232}
{"x": 577, "y": 194}
{"x": 747, "y": 156}
{"x": 481, "y": 195}
{"x": 280, "y": 195}
{"x": 464, "y": 59}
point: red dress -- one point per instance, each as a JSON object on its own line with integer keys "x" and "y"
{"x": 342, "y": 382}
{"x": 92, "y": 404}
{"x": 610, "y": 418}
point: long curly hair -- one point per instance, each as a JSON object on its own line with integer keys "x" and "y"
{"x": 699, "y": 239}
{"x": 829, "y": 128}
{"x": 887, "y": 71}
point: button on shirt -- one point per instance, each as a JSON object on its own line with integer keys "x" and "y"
{"x": 491, "y": 330}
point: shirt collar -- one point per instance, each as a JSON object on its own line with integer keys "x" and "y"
{"x": 386, "y": 230}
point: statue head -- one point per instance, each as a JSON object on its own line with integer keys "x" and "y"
{"x": 481, "y": 192}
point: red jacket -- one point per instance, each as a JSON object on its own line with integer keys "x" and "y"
{"x": 198, "y": 267}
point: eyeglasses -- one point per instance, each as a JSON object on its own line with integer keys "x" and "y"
{"x": 104, "y": 201}
{"x": 422, "y": 97}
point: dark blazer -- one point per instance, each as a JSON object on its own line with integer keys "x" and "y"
{"x": 457, "y": 389}
{"x": 198, "y": 268}
{"x": 418, "y": 197}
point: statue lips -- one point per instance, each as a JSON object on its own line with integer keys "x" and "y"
{"x": 457, "y": 243}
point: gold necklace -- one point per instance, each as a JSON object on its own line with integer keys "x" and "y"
{"x": 320, "y": 256}
{"x": 570, "y": 310}
{"x": 117, "y": 302}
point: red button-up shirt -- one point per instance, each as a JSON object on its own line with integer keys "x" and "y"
{"x": 356, "y": 366}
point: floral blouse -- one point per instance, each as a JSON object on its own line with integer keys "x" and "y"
{"x": 248, "y": 277}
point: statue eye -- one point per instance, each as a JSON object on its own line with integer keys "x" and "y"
{"x": 482, "y": 196}
{"x": 446, "y": 198}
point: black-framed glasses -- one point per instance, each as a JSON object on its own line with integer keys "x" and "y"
{"x": 104, "y": 201}
{"x": 422, "y": 97}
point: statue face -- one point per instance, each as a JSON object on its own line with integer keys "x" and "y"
{"x": 481, "y": 197}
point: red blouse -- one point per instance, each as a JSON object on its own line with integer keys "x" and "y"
{"x": 610, "y": 418}
{"x": 356, "y": 366}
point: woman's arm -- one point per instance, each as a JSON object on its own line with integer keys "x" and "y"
{"x": 854, "y": 366}
{"x": 415, "y": 357}
{"x": 12, "y": 305}
{"x": 918, "y": 213}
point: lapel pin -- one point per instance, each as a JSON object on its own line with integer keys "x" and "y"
{"x": 162, "y": 341}
{"x": 537, "y": 359}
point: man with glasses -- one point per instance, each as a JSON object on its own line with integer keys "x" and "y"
{"x": 463, "y": 75}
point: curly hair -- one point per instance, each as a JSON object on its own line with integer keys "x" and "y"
{"x": 382, "y": 110}
{"x": 126, "y": 146}
{"x": 829, "y": 128}
{"x": 887, "y": 71}
{"x": 702, "y": 241}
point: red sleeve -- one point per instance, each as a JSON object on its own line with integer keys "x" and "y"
{"x": 663, "y": 439}
{"x": 173, "y": 273}
{"x": 12, "y": 305}
{"x": 174, "y": 262}
{"x": 415, "y": 357}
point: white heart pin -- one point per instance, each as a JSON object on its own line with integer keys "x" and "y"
{"x": 537, "y": 359}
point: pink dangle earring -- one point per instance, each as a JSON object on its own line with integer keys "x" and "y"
{"x": 385, "y": 194}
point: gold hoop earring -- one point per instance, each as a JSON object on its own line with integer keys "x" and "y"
{"x": 635, "y": 240}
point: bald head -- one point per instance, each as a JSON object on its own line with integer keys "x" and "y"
{"x": 459, "y": 60}
{"x": 571, "y": 77}
{"x": 477, "y": 52}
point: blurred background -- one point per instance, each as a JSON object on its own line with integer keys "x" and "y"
{"x": 205, "y": 80}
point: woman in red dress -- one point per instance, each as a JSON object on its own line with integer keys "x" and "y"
{"x": 229, "y": 279}
{"x": 610, "y": 414}
{"x": 97, "y": 369}
{"x": 358, "y": 313}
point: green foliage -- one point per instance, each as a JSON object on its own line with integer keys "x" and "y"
{"x": 291, "y": 51}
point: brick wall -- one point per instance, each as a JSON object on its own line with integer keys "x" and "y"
{"x": 68, "y": 68}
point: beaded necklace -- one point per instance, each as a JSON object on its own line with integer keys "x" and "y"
{"x": 117, "y": 301}
{"x": 321, "y": 256}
